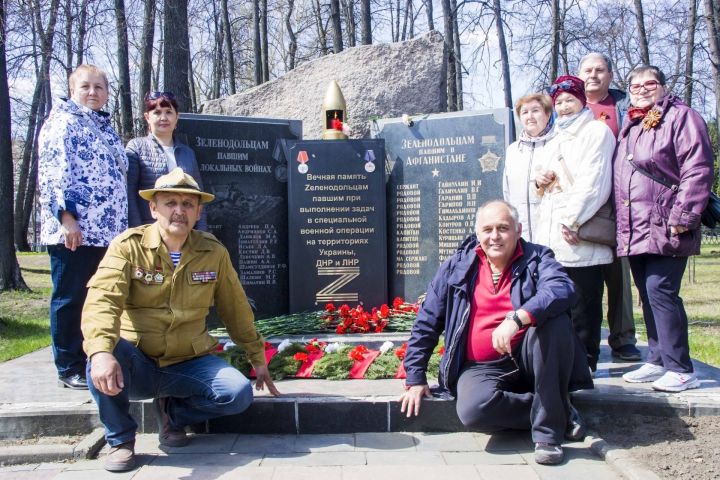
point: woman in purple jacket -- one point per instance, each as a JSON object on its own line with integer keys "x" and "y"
{"x": 663, "y": 142}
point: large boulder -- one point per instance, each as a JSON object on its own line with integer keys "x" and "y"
{"x": 377, "y": 81}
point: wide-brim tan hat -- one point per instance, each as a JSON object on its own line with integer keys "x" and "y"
{"x": 177, "y": 181}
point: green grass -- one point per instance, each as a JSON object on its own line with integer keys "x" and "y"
{"x": 24, "y": 322}
{"x": 701, "y": 296}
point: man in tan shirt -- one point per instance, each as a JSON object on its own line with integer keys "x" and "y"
{"x": 144, "y": 324}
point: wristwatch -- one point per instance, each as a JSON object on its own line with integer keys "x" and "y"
{"x": 515, "y": 318}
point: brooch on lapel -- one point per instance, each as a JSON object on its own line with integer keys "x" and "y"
{"x": 652, "y": 118}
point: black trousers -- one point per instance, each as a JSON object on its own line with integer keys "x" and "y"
{"x": 658, "y": 279}
{"x": 620, "y": 303}
{"x": 587, "y": 313}
{"x": 533, "y": 395}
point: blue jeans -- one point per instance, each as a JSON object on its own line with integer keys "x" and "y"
{"x": 199, "y": 389}
{"x": 70, "y": 272}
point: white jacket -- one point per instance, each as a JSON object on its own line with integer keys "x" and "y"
{"x": 523, "y": 161}
{"x": 587, "y": 147}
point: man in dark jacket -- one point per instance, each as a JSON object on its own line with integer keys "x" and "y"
{"x": 511, "y": 355}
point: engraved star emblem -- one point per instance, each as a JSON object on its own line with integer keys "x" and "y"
{"x": 436, "y": 173}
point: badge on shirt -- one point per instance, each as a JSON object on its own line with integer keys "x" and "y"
{"x": 204, "y": 277}
{"x": 148, "y": 277}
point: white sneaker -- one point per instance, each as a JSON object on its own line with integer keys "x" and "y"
{"x": 676, "y": 382}
{"x": 649, "y": 372}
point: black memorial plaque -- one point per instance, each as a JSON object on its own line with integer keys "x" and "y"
{"x": 249, "y": 213}
{"x": 442, "y": 168}
{"x": 337, "y": 223}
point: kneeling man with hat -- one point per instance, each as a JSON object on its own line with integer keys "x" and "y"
{"x": 144, "y": 324}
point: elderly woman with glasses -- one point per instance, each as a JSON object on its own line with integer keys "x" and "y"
{"x": 663, "y": 174}
{"x": 574, "y": 183}
{"x": 157, "y": 154}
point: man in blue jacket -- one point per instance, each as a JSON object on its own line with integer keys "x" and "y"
{"x": 511, "y": 354}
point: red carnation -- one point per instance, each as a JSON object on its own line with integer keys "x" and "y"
{"x": 400, "y": 352}
{"x": 329, "y": 307}
{"x": 301, "y": 357}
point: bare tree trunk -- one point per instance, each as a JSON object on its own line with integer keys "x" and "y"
{"x": 161, "y": 50}
{"x": 450, "y": 55}
{"x": 642, "y": 36}
{"x": 228, "y": 46}
{"x": 690, "y": 51}
{"x": 406, "y": 13}
{"x": 458, "y": 55}
{"x": 82, "y": 32}
{"x": 348, "y": 7}
{"x": 124, "y": 68}
{"x": 429, "y": 11}
{"x": 217, "y": 55}
{"x": 69, "y": 20}
{"x": 264, "y": 40}
{"x": 504, "y": 59}
{"x": 411, "y": 33}
{"x": 292, "y": 40}
{"x": 146, "y": 58}
{"x": 336, "y": 26}
{"x": 365, "y": 22}
{"x": 10, "y": 274}
{"x": 396, "y": 38}
{"x": 177, "y": 52}
{"x": 25, "y": 181}
{"x": 711, "y": 20}
{"x": 257, "y": 53}
{"x": 322, "y": 33}
{"x": 555, "y": 41}
{"x": 191, "y": 83}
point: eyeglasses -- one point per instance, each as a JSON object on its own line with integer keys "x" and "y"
{"x": 511, "y": 372}
{"x": 564, "y": 85}
{"x": 650, "y": 86}
{"x": 156, "y": 95}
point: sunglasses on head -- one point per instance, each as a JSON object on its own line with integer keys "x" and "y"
{"x": 564, "y": 85}
{"x": 650, "y": 86}
{"x": 156, "y": 95}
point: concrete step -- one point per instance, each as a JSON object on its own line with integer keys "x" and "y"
{"x": 31, "y": 403}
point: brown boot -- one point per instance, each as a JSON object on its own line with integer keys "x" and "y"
{"x": 121, "y": 457}
{"x": 169, "y": 436}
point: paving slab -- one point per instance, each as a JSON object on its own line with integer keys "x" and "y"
{"x": 454, "y": 442}
{"x": 314, "y": 458}
{"x": 515, "y": 472}
{"x": 405, "y": 458}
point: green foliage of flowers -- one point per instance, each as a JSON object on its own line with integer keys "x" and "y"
{"x": 283, "y": 364}
{"x": 335, "y": 365}
{"x": 238, "y": 359}
{"x": 385, "y": 366}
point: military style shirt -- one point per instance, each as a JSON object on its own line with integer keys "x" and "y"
{"x": 136, "y": 294}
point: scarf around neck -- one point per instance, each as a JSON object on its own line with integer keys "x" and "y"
{"x": 543, "y": 137}
{"x": 565, "y": 122}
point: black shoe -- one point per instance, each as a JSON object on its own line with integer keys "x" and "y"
{"x": 627, "y": 353}
{"x": 548, "y": 454}
{"x": 168, "y": 435}
{"x": 575, "y": 430}
{"x": 76, "y": 382}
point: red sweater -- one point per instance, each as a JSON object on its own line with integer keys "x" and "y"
{"x": 488, "y": 308}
